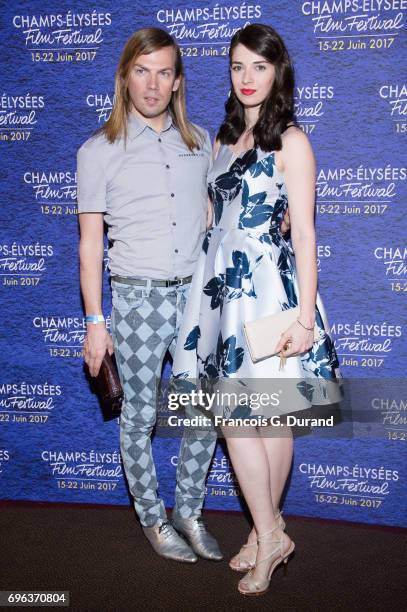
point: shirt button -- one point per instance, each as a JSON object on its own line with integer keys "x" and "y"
{"x": 159, "y": 140}
{"x": 176, "y": 250}
{"x": 172, "y": 195}
{"x": 174, "y": 223}
{"x": 167, "y": 166}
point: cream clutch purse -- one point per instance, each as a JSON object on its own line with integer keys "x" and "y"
{"x": 262, "y": 335}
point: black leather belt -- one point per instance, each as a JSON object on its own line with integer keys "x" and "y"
{"x": 154, "y": 283}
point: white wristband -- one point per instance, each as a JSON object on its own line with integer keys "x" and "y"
{"x": 95, "y": 319}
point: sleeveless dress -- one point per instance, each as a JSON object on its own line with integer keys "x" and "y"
{"x": 246, "y": 270}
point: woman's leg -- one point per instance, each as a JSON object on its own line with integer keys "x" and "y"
{"x": 251, "y": 465}
{"x": 279, "y": 451}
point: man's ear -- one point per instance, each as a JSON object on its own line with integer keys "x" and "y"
{"x": 177, "y": 83}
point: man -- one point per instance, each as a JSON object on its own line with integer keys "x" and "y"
{"x": 144, "y": 174}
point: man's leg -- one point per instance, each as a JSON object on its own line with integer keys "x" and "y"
{"x": 143, "y": 324}
{"x": 195, "y": 455}
{"x": 139, "y": 347}
{"x": 196, "y": 451}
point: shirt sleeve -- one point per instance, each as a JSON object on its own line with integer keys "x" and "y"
{"x": 91, "y": 182}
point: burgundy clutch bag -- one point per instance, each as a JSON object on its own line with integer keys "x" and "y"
{"x": 108, "y": 385}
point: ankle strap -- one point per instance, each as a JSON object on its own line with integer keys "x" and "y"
{"x": 262, "y": 537}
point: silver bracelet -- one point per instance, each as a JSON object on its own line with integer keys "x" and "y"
{"x": 307, "y": 328}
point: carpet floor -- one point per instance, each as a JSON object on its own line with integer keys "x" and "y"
{"x": 100, "y": 555}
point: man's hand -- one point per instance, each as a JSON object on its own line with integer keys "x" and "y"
{"x": 96, "y": 343}
{"x": 285, "y": 223}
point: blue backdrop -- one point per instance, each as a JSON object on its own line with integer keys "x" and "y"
{"x": 57, "y": 67}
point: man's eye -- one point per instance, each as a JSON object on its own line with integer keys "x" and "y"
{"x": 165, "y": 74}
{"x": 139, "y": 70}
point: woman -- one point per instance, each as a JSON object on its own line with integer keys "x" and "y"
{"x": 263, "y": 164}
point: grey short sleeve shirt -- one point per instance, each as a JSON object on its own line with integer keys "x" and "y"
{"x": 153, "y": 194}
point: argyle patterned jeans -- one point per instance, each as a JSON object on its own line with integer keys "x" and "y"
{"x": 145, "y": 322}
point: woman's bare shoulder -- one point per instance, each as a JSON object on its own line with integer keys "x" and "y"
{"x": 294, "y": 134}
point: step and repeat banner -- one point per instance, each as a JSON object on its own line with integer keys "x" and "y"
{"x": 57, "y": 69}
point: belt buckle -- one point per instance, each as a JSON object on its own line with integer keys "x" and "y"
{"x": 171, "y": 283}
{"x": 176, "y": 282}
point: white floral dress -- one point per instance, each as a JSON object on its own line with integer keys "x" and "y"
{"x": 246, "y": 270}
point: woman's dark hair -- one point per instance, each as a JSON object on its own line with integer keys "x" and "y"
{"x": 277, "y": 109}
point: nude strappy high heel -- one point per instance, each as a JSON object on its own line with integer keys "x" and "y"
{"x": 249, "y": 585}
{"x": 245, "y": 565}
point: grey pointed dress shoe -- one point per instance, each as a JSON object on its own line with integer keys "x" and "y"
{"x": 201, "y": 541}
{"x": 168, "y": 544}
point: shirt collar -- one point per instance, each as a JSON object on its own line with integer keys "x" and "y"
{"x": 135, "y": 125}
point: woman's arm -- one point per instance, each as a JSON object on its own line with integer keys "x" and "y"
{"x": 300, "y": 176}
{"x": 209, "y": 215}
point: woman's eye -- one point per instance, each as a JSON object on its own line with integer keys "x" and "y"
{"x": 260, "y": 67}
{"x": 236, "y": 68}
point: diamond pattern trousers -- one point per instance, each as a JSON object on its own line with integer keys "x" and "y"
{"x": 145, "y": 322}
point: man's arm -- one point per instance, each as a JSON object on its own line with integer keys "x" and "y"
{"x": 91, "y": 268}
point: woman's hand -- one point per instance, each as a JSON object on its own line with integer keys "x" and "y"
{"x": 296, "y": 339}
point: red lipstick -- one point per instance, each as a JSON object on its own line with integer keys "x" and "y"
{"x": 248, "y": 92}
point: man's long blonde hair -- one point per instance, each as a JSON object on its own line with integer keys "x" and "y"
{"x": 143, "y": 42}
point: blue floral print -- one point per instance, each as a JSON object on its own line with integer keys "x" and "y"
{"x": 246, "y": 270}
